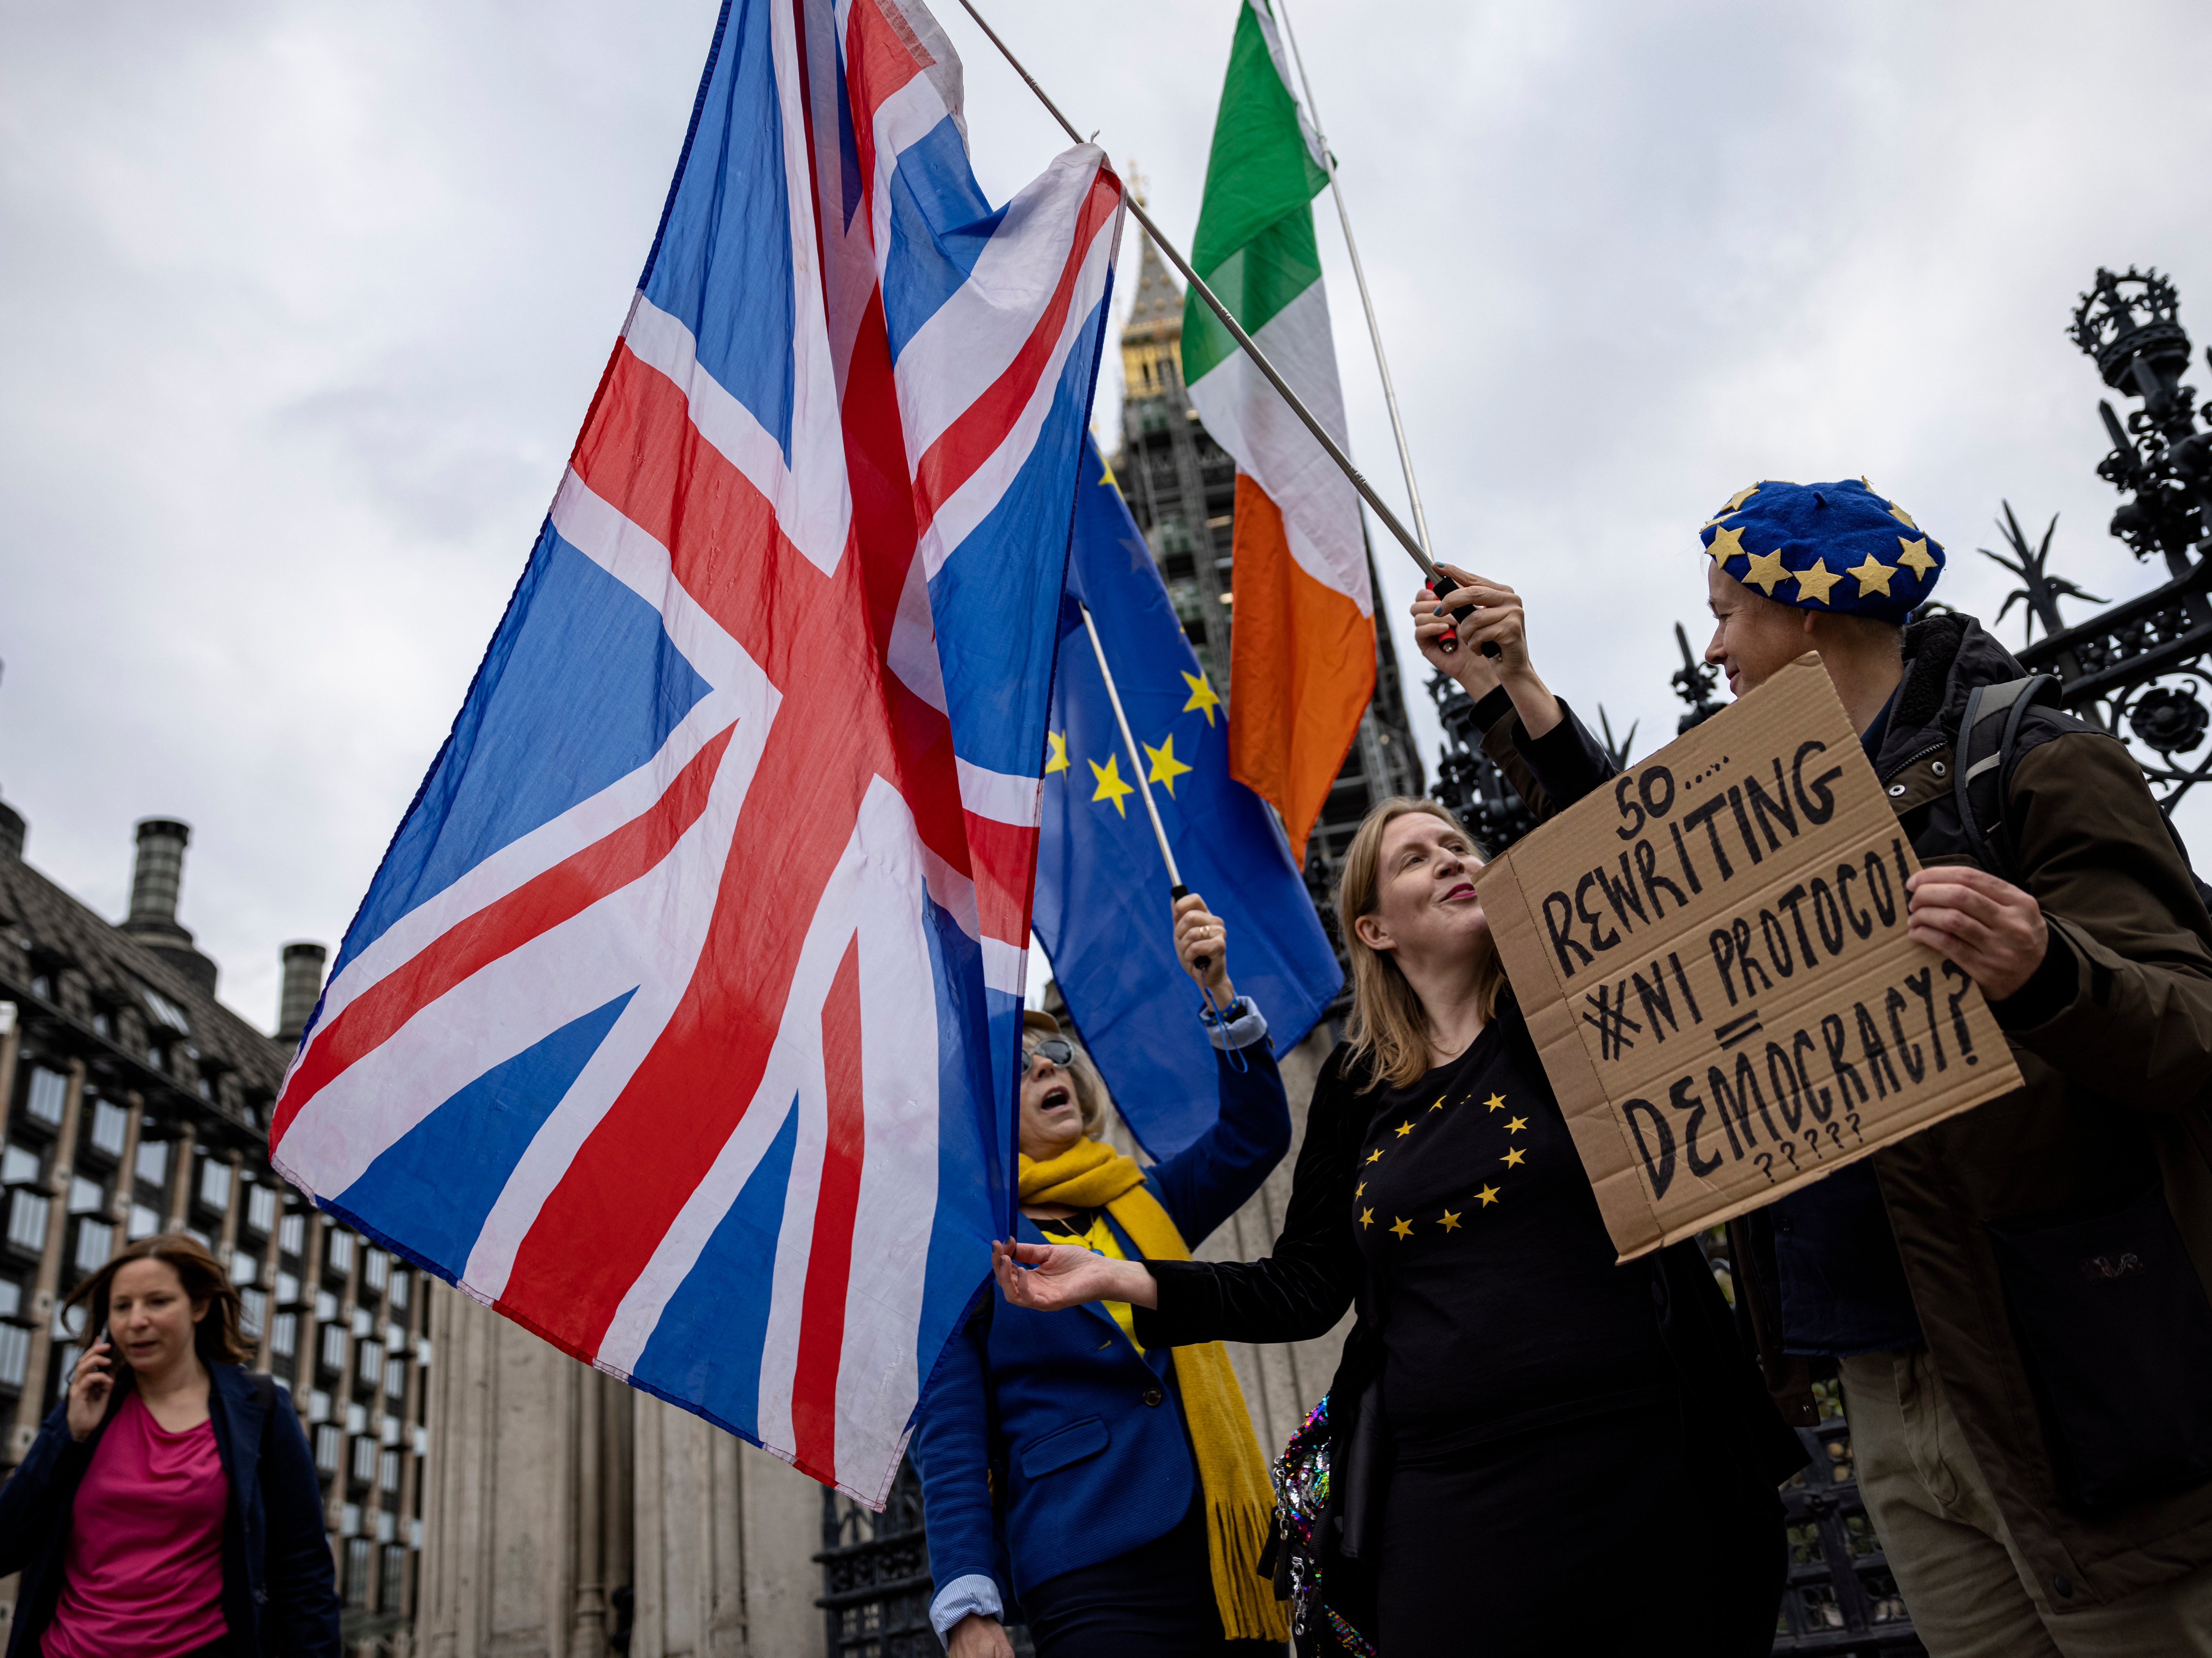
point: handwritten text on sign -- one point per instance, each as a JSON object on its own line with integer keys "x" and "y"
{"x": 1712, "y": 957}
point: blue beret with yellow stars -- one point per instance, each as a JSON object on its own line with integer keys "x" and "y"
{"x": 1836, "y": 547}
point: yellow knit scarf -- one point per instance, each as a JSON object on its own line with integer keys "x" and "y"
{"x": 1240, "y": 1502}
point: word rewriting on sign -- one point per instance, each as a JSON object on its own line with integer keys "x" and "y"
{"x": 1712, "y": 956}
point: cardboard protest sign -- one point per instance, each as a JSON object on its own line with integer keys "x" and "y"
{"x": 1711, "y": 955}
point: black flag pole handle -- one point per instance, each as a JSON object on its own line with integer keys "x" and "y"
{"x": 1251, "y": 347}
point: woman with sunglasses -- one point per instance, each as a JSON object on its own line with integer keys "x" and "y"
{"x": 1115, "y": 1499}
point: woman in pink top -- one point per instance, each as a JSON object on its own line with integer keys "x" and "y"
{"x": 169, "y": 1507}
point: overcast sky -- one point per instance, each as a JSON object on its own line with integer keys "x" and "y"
{"x": 305, "y": 303}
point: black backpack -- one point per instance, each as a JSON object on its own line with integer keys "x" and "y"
{"x": 1983, "y": 760}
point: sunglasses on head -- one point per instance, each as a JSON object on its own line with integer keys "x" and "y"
{"x": 1059, "y": 1051}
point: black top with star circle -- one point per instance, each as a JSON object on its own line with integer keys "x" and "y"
{"x": 1480, "y": 1226}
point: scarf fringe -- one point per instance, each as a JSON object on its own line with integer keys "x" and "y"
{"x": 1236, "y": 1536}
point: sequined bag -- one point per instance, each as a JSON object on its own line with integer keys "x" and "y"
{"x": 1303, "y": 1486}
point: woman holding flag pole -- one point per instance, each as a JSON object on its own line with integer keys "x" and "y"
{"x": 1534, "y": 1449}
{"x": 1115, "y": 1492}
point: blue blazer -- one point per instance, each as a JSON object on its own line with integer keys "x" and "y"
{"x": 278, "y": 1594}
{"x": 1088, "y": 1447}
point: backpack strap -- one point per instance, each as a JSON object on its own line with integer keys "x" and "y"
{"x": 1982, "y": 761}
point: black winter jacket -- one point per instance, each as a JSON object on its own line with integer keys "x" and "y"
{"x": 279, "y": 1596}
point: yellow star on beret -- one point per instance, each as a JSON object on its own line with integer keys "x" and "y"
{"x": 1915, "y": 552}
{"x": 1736, "y": 501}
{"x": 1765, "y": 571}
{"x": 1814, "y": 583}
{"x": 1727, "y": 544}
{"x": 1873, "y": 576}
{"x": 1902, "y": 516}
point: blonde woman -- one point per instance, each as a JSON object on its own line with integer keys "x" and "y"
{"x": 1111, "y": 1490}
{"x": 1537, "y": 1450}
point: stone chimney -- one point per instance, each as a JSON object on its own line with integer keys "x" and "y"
{"x": 155, "y": 881}
{"x": 303, "y": 983}
{"x": 11, "y": 831}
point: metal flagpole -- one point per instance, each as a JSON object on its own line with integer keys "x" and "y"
{"x": 1330, "y": 444}
{"x": 1360, "y": 275}
{"x": 1177, "y": 889}
{"x": 1136, "y": 760}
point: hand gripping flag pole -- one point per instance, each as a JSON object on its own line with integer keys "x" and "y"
{"x": 1417, "y": 547}
{"x": 1176, "y": 887}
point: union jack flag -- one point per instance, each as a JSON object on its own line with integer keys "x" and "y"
{"x": 680, "y": 1024}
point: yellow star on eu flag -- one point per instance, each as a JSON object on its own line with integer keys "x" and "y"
{"x": 1202, "y": 696}
{"x": 1165, "y": 767}
{"x": 1814, "y": 583}
{"x": 1488, "y": 1195}
{"x": 1915, "y": 553}
{"x": 1727, "y": 544}
{"x": 1764, "y": 571}
{"x": 1873, "y": 576}
{"x": 1403, "y": 1229}
{"x": 1059, "y": 761}
{"x": 1106, "y": 475}
{"x": 1451, "y": 1222}
{"x": 1110, "y": 785}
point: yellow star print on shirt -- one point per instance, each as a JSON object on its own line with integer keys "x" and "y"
{"x": 1514, "y": 1125}
{"x": 1165, "y": 767}
{"x": 1488, "y": 1195}
{"x": 1439, "y": 1105}
{"x": 1367, "y": 1218}
{"x": 1915, "y": 553}
{"x": 1764, "y": 571}
{"x": 1814, "y": 583}
{"x": 1513, "y": 1158}
{"x": 1451, "y": 1222}
{"x": 1110, "y": 785}
{"x": 1727, "y": 544}
{"x": 1375, "y": 1155}
{"x": 1496, "y": 1102}
{"x": 1873, "y": 576}
{"x": 1202, "y": 696}
{"x": 1059, "y": 761}
{"x": 1404, "y": 1129}
{"x": 1402, "y": 1229}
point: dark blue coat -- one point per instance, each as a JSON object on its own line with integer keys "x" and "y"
{"x": 279, "y": 1597}
{"x": 1090, "y": 1447}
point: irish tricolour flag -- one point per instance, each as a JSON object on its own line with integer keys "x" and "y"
{"x": 1302, "y": 655}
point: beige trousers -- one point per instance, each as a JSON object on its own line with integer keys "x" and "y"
{"x": 1969, "y": 1593}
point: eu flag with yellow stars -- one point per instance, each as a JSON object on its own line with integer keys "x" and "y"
{"x": 1102, "y": 909}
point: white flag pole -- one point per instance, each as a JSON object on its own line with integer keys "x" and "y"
{"x": 1330, "y": 446}
{"x": 1136, "y": 760}
{"x": 1360, "y": 275}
